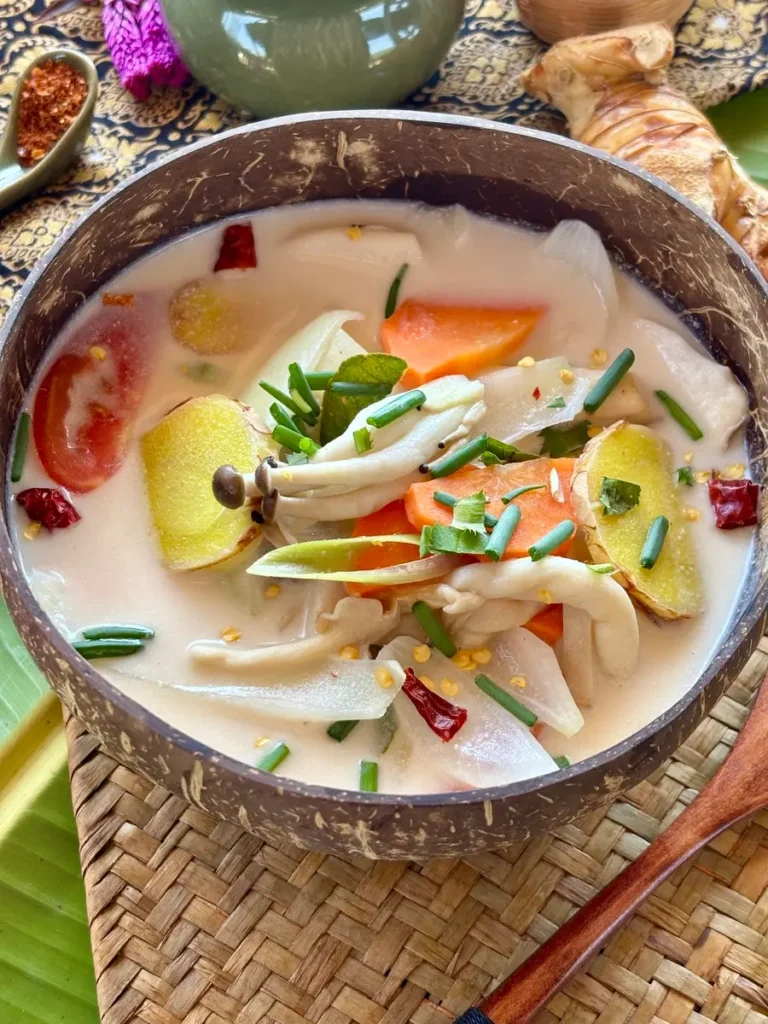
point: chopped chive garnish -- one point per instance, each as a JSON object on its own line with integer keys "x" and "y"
{"x": 303, "y": 405}
{"x": 502, "y": 531}
{"x": 559, "y": 403}
{"x": 609, "y": 380}
{"x": 363, "y": 442}
{"x": 118, "y": 632}
{"x": 287, "y": 401}
{"x": 443, "y": 498}
{"x": 294, "y": 441}
{"x": 434, "y": 628}
{"x": 20, "y": 450}
{"x": 297, "y": 382}
{"x": 562, "y": 761}
{"x": 489, "y": 459}
{"x": 507, "y": 452}
{"x": 340, "y": 730}
{"x": 517, "y": 491}
{"x": 602, "y": 568}
{"x": 450, "y": 463}
{"x": 275, "y": 757}
{"x": 654, "y": 542}
{"x": 679, "y": 414}
{"x": 507, "y": 701}
{"x": 369, "y": 777}
{"x": 399, "y": 406}
{"x": 320, "y": 380}
{"x": 350, "y": 387}
{"x": 394, "y": 291}
{"x": 547, "y": 544}
{"x": 281, "y": 417}
{"x": 685, "y": 476}
{"x": 92, "y": 649}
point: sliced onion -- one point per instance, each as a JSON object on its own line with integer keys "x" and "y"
{"x": 513, "y": 412}
{"x": 576, "y": 656}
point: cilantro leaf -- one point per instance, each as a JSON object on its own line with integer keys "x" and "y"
{"x": 557, "y": 442}
{"x": 685, "y": 476}
{"x": 505, "y": 452}
{"x": 339, "y": 409}
{"x": 618, "y": 496}
{"x": 465, "y": 536}
{"x": 559, "y": 403}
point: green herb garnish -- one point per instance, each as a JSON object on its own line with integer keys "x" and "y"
{"x": 399, "y": 406}
{"x": 489, "y": 459}
{"x": 296, "y": 459}
{"x": 443, "y": 498}
{"x": 502, "y": 532}
{"x": 685, "y": 476}
{"x": 363, "y": 442}
{"x": 394, "y": 292}
{"x": 92, "y": 649}
{"x": 460, "y": 457}
{"x": 20, "y": 448}
{"x": 374, "y": 368}
{"x": 517, "y": 491}
{"x": 507, "y": 701}
{"x": 609, "y": 380}
{"x": 547, "y": 544}
{"x": 388, "y": 727}
{"x": 559, "y": 403}
{"x": 319, "y": 380}
{"x": 507, "y": 452}
{"x": 654, "y": 541}
{"x": 281, "y": 417}
{"x": 118, "y": 632}
{"x": 678, "y": 413}
{"x": 557, "y": 442}
{"x": 465, "y": 536}
{"x": 287, "y": 401}
{"x": 602, "y": 568}
{"x": 618, "y": 496}
{"x": 340, "y": 730}
{"x": 349, "y": 387}
{"x": 434, "y": 628}
{"x": 275, "y": 757}
{"x": 294, "y": 441}
{"x": 300, "y": 390}
{"x": 369, "y": 777}
{"x": 562, "y": 761}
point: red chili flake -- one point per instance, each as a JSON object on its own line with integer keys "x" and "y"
{"x": 442, "y": 717}
{"x": 238, "y": 248}
{"x": 537, "y": 393}
{"x": 110, "y": 299}
{"x": 48, "y": 506}
{"x": 734, "y": 502}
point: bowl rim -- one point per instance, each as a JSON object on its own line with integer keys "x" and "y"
{"x": 284, "y": 786}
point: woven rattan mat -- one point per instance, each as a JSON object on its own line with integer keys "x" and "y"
{"x": 194, "y": 921}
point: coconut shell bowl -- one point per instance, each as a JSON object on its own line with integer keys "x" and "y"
{"x": 517, "y": 175}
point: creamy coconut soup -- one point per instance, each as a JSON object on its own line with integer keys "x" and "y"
{"x": 386, "y": 498}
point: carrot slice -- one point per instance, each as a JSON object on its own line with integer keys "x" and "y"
{"x": 390, "y": 519}
{"x": 547, "y": 624}
{"x": 436, "y": 340}
{"x": 541, "y": 512}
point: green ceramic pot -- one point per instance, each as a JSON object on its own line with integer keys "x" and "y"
{"x": 288, "y": 56}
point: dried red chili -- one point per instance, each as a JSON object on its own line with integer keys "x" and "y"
{"x": 442, "y": 717}
{"x": 51, "y": 99}
{"x": 48, "y": 506}
{"x": 537, "y": 393}
{"x": 238, "y": 248}
{"x": 734, "y": 502}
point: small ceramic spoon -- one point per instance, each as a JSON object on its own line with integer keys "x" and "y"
{"x": 17, "y": 181}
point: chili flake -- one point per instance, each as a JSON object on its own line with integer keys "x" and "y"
{"x": 111, "y": 299}
{"x": 537, "y": 393}
{"x": 238, "y": 248}
{"x": 51, "y": 99}
{"x": 48, "y": 506}
{"x": 734, "y": 502}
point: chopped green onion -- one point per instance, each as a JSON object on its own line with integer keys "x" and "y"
{"x": 455, "y": 460}
{"x": 320, "y": 380}
{"x": 489, "y": 459}
{"x": 287, "y": 401}
{"x": 394, "y": 291}
{"x": 517, "y": 491}
{"x": 559, "y": 403}
{"x": 562, "y": 761}
{"x": 654, "y": 542}
{"x": 349, "y": 387}
{"x": 602, "y": 568}
{"x": 685, "y": 476}
{"x": 340, "y": 730}
{"x": 507, "y": 701}
{"x": 434, "y": 628}
{"x": 20, "y": 450}
{"x": 297, "y": 382}
{"x": 679, "y": 414}
{"x": 369, "y": 777}
{"x": 92, "y": 649}
{"x": 281, "y": 417}
{"x": 546, "y": 545}
{"x": 305, "y": 407}
{"x": 294, "y": 441}
{"x": 506, "y": 526}
{"x": 443, "y": 498}
{"x": 609, "y": 380}
{"x": 399, "y": 406}
{"x": 363, "y": 442}
{"x": 507, "y": 452}
{"x": 118, "y": 632}
{"x": 275, "y": 757}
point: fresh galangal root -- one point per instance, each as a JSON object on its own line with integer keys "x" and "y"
{"x": 612, "y": 89}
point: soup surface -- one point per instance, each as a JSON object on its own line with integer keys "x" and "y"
{"x": 504, "y": 339}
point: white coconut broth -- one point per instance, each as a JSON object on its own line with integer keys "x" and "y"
{"x": 108, "y": 567}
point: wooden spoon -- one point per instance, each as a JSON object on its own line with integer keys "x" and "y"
{"x": 739, "y": 789}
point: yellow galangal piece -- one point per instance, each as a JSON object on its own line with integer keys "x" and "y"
{"x": 180, "y": 456}
{"x": 673, "y": 588}
{"x": 211, "y": 317}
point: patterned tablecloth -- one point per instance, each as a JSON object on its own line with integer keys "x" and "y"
{"x": 722, "y": 50}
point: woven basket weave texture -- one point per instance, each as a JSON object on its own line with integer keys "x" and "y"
{"x": 194, "y": 921}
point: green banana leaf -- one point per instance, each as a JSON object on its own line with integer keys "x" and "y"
{"x": 743, "y": 125}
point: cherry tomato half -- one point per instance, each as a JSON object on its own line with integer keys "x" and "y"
{"x": 86, "y": 401}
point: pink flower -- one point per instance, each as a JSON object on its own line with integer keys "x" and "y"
{"x": 126, "y": 47}
{"x": 165, "y": 64}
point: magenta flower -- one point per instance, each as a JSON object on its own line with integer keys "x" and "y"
{"x": 126, "y": 47}
{"x": 165, "y": 64}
